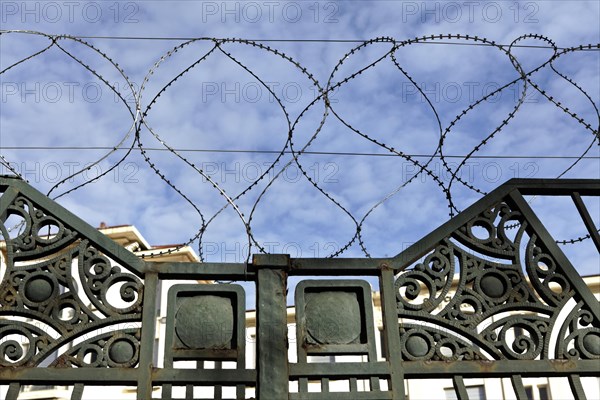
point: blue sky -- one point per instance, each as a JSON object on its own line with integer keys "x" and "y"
{"x": 52, "y": 101}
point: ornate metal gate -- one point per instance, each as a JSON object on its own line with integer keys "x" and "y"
{"x": 76, "y": 309}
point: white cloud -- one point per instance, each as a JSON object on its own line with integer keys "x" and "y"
{"x": 381, "y": 102}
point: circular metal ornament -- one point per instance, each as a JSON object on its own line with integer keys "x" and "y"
{"x": 38, "y": 288}
{"x": 591, "y": 343}
{"x": 493, "y": 285}
{"x": 333, "y": 318}
{"x": 417, "y": 346}
{"x": 205, "y": 322}
{"x": 121, "y": 351}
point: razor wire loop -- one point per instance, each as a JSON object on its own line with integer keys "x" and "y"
{"x": 222, "y": 46}
{"x": 422, "y": 168}
{"x": 527, "y": 80}
{"x": 158, "y": 138}
{"x": 54, "y": 42}
{"x": 54, "y": 39}
{"x": 134, "y": 116}
{"x": 454, "y": 174}
{"x": 230, "y": 200}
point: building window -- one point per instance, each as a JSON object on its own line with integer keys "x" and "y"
{"x": 529, "y": 392}
{"x": 544, "y": 392}
{"x": 473, "y": 392}
{"x": 539, "y": 392}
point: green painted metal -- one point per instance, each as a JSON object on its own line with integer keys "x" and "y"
{"x": 498, "y": 319}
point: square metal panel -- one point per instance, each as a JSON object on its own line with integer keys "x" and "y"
{"x": 334, "y": 317}
{"x": 205, "y": 322}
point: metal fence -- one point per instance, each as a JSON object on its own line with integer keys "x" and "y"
{"x": 517, "y": 308}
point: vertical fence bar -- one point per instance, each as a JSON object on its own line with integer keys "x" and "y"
{"x": 517, "y": 383}
{"x": 144, "y": 390}
{"x": 325, "y": 385}
{"x": 13, "y": 391}
{"x": 587, "y": 219}
{"x": 459, "y": 387}
{"x": 353, "y": 385}
{"x": 218, "y": 391}
{"x": 391, "y": 333}
{"x": 569, "y": 270}
{"x": 271, "y": 326}
{"x": 576, "y": 387}
{"x": 77, "y": 391}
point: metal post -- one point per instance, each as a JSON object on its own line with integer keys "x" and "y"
{"x": 271, "y": 327}
{"x": 144, "y": 390}
{"x": 393, "y": 353}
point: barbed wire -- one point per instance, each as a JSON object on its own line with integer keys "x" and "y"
{"x": 138, "y": 112}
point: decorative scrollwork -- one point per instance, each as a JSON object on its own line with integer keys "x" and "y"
{"x": 485, "y": 288}
{"x": 493, "y": 223}
{"x": 491, "y": 302}
{"x": 46, "y": 291}
{"x": 21, "y": 344}
{"x": 32, "y": 240}
{"x": 118, "y": 349}
{"x": 426, "y": 343}
{"x": 101, "y": 276}
{"x": 580, "y": 335}
{"x": 46, "y": 270}
{"x": 546, "y": 278}
{"x": 586, "y": 344}
{"x": 434, "y": 275}
{"x": 518, "y": 337}
{"x": 69, "y": 311}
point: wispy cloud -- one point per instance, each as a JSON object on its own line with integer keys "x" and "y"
{"x": 52, "y": 101}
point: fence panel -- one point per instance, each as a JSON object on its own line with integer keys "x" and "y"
{"x": 487, "y": 295}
